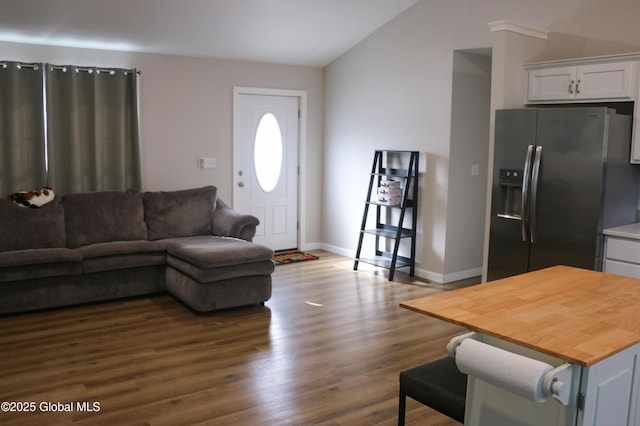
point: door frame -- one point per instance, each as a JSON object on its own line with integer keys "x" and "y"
{"x": 302, "y": 146}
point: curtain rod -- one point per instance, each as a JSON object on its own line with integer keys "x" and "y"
{"x": 90, "y": 70}
{"x": 20, "y": 65}
{"x": 63, "y": 68}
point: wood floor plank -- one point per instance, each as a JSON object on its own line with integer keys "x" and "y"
{"x": 325, "y": 350}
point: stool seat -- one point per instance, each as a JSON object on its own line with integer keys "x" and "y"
{"x": 437, "y": 384}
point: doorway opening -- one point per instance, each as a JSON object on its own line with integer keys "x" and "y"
{"x": 468, "y": 163}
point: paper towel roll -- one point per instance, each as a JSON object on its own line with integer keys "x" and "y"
{"x": 512, "y": 372}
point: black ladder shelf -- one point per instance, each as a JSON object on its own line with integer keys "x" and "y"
{"x": 398, "y": 200}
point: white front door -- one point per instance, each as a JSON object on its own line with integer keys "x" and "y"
{"x": 265, "y": 165}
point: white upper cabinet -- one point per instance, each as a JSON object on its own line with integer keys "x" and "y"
{"x": 551, "y": 84}
{"x": 606, "y": 81}
{"x": 611, "y": 78}
{"x": 601, "y": 81}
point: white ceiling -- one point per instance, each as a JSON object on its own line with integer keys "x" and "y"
{"x": 297, "y": 32}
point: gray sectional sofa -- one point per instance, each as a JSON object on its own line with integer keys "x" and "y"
{"x": 86, "y": 247}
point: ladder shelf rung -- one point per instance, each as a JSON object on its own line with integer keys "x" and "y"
{"x": 386, "y": 171}
{"x": 407, "y": 204}
{"x": 389, "y": 231}
{"x": 385, "y": 262}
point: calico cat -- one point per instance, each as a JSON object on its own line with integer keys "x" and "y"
{"x": 33, "y": 199}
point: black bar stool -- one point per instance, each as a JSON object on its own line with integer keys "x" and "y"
{"x": 437, "y": 384}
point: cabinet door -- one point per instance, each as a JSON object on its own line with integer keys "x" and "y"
{"x": 605, "y": 81}
{"x": 551, "y": 84}
{"x": 610, "y": 389}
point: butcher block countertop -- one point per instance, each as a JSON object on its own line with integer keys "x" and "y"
{"x": 577, "y": 315}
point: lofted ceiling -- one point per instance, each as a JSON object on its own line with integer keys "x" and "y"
{"x": 296, "y": 32}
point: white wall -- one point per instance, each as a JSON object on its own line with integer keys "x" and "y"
{"x": 186, "y": 113}
{"x": 394, "y": 91}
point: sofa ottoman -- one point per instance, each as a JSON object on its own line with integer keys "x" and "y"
{"x": 211, "y": 272}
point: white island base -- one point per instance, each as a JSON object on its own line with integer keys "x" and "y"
{"x": 604, "y": 394}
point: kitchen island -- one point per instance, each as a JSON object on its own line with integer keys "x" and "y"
{"x": 586, "y": 320}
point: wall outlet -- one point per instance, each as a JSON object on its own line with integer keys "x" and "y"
{"x": 207, "y": 162}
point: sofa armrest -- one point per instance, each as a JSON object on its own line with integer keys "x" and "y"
{"x": 231, "y": 223}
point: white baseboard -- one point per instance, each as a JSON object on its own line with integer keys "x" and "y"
{"x": 312, "y": 246}
{"x": 463, "y": 275}
{"x": 422, "y": 273}
{"x": 337, "y": 250}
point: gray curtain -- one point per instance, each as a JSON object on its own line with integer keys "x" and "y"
{"x": 92, "y": 128}
{"x": 22, "y": 146}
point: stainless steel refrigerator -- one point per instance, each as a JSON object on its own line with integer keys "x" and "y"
{"x": 560, "y": 176}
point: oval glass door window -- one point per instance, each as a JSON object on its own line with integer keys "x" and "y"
{"x": 267, "y": 152}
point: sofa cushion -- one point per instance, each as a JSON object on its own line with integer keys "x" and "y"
{"x": 98, "y": 217}
{"x": 221, "y": 273}
{"x": 122, "y": 255}
{"x": 179, "y": 213}
{"x": 115, "y": 248}
{"x": 214, "y": 252}
{"x": 24, "y": 228}
{"x": 39, "y": 263}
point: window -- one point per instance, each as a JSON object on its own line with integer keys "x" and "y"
{"x": 268, "y": 152}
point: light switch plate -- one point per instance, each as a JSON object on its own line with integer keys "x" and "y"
{"x": 207, "y": 162}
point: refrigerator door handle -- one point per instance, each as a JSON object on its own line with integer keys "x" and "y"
{"x": 535, "y": 174}
{"x": 525, "y": 192}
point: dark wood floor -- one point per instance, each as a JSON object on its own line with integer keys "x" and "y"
{"x": 325, "y": 350}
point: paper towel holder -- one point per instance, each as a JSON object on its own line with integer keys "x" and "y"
{"x": 453, "y": 344}
{"x": 555, "y": 383}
